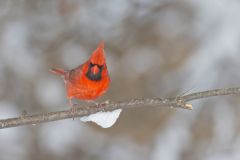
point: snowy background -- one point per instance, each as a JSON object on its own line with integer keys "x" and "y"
{"x": 154, "y": 48}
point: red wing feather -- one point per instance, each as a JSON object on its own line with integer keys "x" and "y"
{"x": 58, "y": 71}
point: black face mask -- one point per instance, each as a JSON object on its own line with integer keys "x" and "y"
{"x": 94, "y": 77}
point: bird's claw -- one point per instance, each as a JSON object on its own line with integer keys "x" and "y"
{"x": 24, "y": 113}
{"x": 73, "y": 110}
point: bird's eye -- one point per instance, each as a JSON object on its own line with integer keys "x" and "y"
{"x": 91, "y": 64}
{"x": 100, "y": 67}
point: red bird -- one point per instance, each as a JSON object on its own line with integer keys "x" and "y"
{"x": 88, "y": 81}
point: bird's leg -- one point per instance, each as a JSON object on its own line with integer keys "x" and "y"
{"x": 73, "y": 109}
{"x": 98, "y": 105}
{"x": 24, "y": 113}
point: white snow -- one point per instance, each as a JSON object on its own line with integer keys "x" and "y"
{"x": 103, "y": 119}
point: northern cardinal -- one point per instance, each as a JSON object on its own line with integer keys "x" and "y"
{"x": 89, "y": 80}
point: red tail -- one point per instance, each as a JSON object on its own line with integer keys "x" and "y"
{"x": 58, "y": 71}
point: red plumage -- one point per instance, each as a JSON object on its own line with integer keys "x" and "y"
{"x": 88, "y": 81}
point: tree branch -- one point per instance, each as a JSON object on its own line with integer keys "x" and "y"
{"x": 176, "y": 102}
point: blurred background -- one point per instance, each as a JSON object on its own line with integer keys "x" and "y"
{"x": 154, "y": 48}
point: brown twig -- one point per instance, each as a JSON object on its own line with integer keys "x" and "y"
{"x": 176, "y": 102}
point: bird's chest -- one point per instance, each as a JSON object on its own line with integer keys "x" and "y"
{"x": 86, "y": 89}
